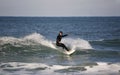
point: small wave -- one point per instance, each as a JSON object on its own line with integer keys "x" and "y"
{"x": 104, "y": 40}
{"x": 32, "y": 39}
{"x": 38, "y": 39}
{"x": 111, "y": 45}
{"x": 44, "y": 69}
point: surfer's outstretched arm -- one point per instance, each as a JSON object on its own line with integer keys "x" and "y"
{"x": 65, "y": 35}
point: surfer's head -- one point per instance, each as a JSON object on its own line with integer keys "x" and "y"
{"x": 60, "y": 33}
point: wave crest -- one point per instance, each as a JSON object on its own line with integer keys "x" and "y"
{"x": 38, "y": 39}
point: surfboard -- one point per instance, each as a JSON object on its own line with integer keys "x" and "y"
{"x": 65, "y": 51}
{"x": 68, "y": 52}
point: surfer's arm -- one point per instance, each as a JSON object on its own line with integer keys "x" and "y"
{"x": 65, "y": 35}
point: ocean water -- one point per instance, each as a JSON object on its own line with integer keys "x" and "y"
{"x": 27, "y": 46}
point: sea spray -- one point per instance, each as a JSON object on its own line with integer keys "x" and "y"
{"x": 38, "y": 38}
{"x": 77, "y": 43}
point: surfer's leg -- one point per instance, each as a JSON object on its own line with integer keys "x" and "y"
{"x": 64, "y": 46}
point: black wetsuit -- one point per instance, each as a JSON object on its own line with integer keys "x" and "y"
{"x": 58, "y": 43}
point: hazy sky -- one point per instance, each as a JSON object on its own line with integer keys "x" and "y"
{"x": 59, "y": 7}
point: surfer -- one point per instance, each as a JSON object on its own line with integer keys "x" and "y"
{"x": 58, "y": 40}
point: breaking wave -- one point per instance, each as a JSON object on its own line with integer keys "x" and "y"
{"x": 38, "y": 39}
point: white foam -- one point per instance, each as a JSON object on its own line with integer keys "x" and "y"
{"x": 101, "y": 69}
{"x": 9, "y": 40}
{"x": 77, "y": 43}
{"x": 31, "y": 39}
{"x": 17, "y": 65}
{"x": 25, "y": 67}
{"x": 36, "y": 38}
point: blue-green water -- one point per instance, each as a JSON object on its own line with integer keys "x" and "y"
{"x": 27, "y": 46}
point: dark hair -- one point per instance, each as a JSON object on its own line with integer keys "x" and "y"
{"x": 60, "y": 32}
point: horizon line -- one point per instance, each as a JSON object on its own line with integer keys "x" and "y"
{"x": 59, "y": 16}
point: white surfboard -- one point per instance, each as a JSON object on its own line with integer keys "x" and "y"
{"x": 68, "y": 52}
{"x": 65, "y": 51}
